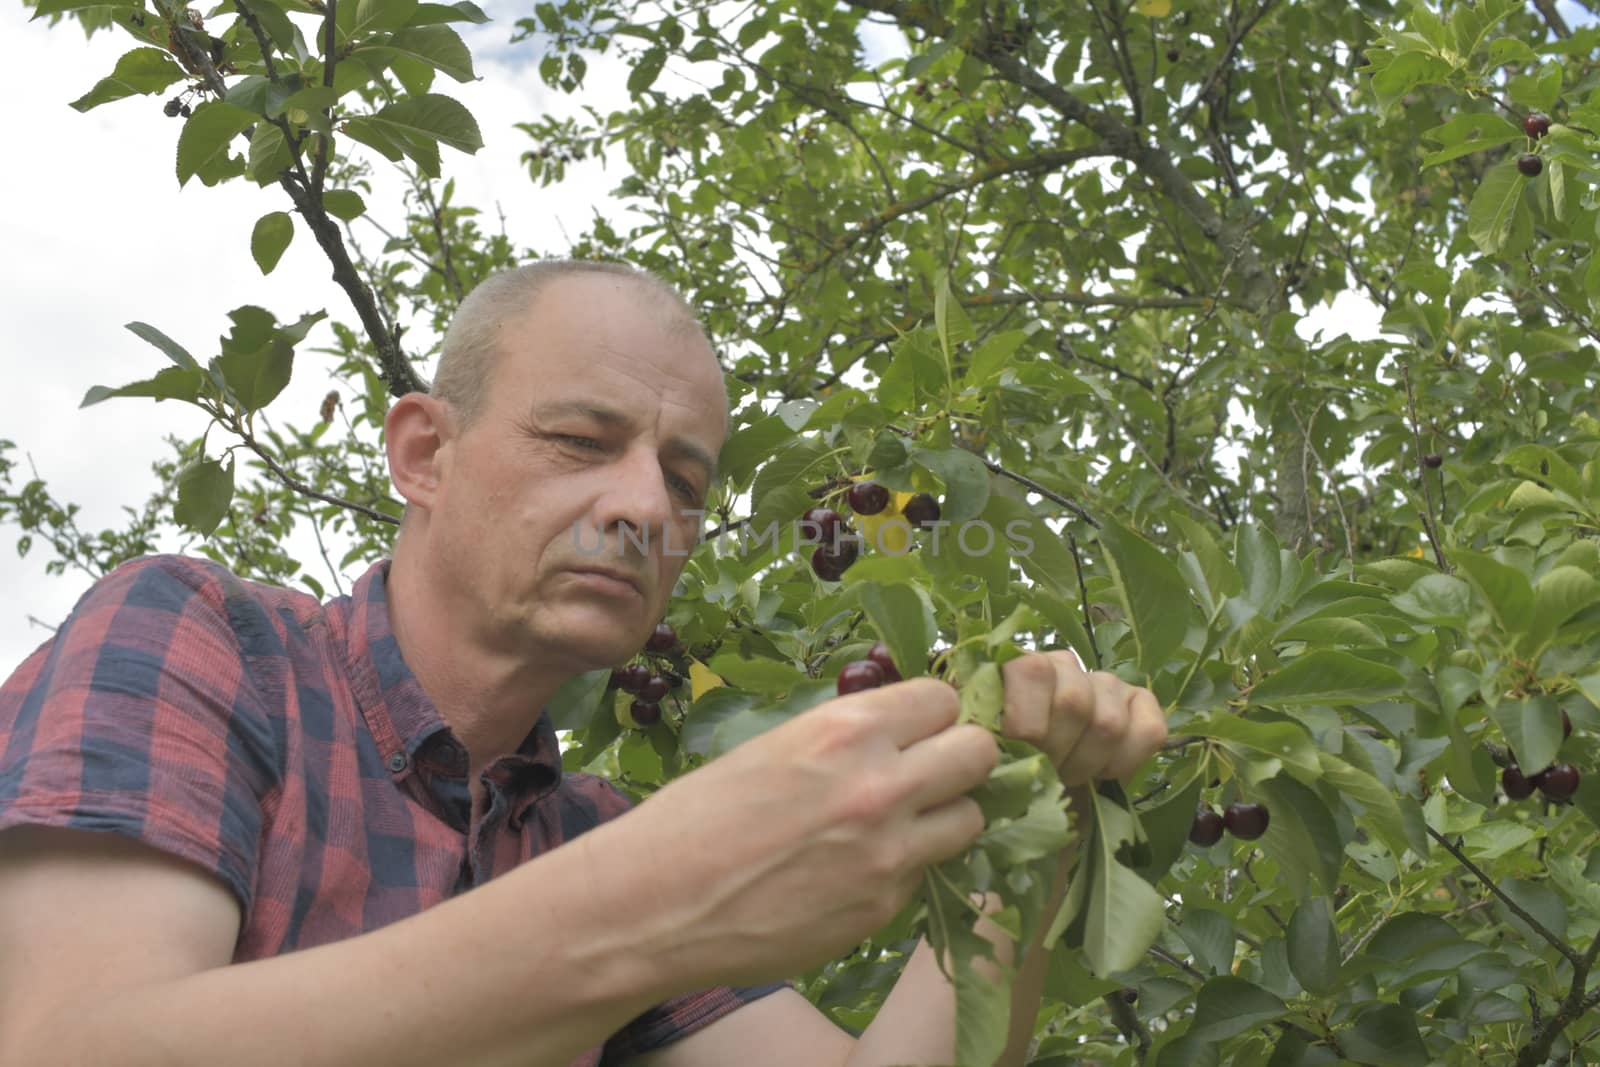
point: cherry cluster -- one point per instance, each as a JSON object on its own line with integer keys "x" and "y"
{"x": 1535, "y": 124}
{"x": 1558, "y": 782}
{"x": 877, "y": 669}
{"x": 1243, "y": 819}
{"x": 837, "y": 545}
{"x": 648, "y": 686}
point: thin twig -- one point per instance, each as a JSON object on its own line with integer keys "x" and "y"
{"x": 1083, "y": 596}
{"x": 305, "y": 490}
{"x": 1422, "y": 470}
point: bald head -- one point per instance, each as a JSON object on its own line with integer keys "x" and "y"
{"x": 472, "y": 345}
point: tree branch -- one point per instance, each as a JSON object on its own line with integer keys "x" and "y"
{"x": 1117, "y": 137}
{"x": 1552, "y": 16}
{"x": 1516, "y": 909}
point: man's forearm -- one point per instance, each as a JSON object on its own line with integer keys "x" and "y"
{"x": 916, "y": 1027}
{"x": 531, "y": 969}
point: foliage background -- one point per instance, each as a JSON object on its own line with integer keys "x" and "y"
{"x": 1057, "y": 268}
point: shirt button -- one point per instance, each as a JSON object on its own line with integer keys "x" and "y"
{"x": 397, "y": 762}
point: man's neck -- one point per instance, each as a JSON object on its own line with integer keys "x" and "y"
{"x": 490, "y": 699}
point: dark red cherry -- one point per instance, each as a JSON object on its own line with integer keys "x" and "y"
{"x": 868, "y": 498}
{"x": 1245, "y": 820}
{"x": 862, "y": 674}
{"x": 1206, "y": 830}
{"x": 879, "y": 654}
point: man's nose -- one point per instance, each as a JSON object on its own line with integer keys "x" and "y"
{"x": 636, "y": 496}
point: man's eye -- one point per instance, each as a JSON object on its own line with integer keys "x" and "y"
{"x": 682, "y": 485}
{"x": 579, "y": 442}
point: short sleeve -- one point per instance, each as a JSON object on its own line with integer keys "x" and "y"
{"x": 139, "y": 718}
{"x": 682, "y": 1015}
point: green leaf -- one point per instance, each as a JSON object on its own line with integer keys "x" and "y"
{"x": 1507, "y": 589}
{"x": 738, "y": 728}
{"x": 983, "y": 696}
{"x": 1153, "y": 594}
{"x": 261, "y": 95}
{"x": 966, "y": 481}
{"x": 706, "y": 715}
{"x": 203, "y": 143}
{"x": 1494, "y": 203}
{"x": 205, "y": 489}
{"x": 1468, "y": 133}
{"x": 1040, "y": 551}
{"x": 1210, "y": 936}
{"x": 576, "y": 700}
{"x": 1167, "y": 826}
{"x": 761, "y": 674}
{"x": 1385, "y": 1035}
{"x": 1441, "y": 599}
{"x": 1228, "y": 1006}
{"x": 141, "y": 71}
{"x": 1125, "y": 914}
{"x": 1302, "y": 835}
{"x": 1222, "y": 578}
{"x": 750, "y": 446}
{"x": 173, "y": 350}
{"x": 439, "y": 47}
{"x": 646, "y": 70}
{"x": 415, "y": 126}
{"x": 1283, "y": 741}
{"x": 272, "y": 234}
{"x": 61, "y": 7}
{"x": 461, "y": 11}
{"x": 1313, "y": 946}
{"x": 1532, "y": 727}
{"x": 1328, "y": 678}
{"x": 172, "y": 383}
{"x": 344, "y": 204}
{"x": 992, "y": 357}
{"x": 375, "y": 15}
{"x": 269, "y": 154}
{"x": 1378, "y": 805}
{"x": 898, "y": 615}
{"x": 1548, "y": 465}
{"x": 1562, "y": 593}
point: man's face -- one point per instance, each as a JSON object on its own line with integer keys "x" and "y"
{"x": 566, "y": 510}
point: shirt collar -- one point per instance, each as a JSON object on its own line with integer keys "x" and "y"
{"x": 403, "y": 719}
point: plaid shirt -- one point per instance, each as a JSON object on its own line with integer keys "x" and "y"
{"x": 285, "y": 746}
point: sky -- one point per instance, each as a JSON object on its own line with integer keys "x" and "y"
{"x": 101, "y": 235}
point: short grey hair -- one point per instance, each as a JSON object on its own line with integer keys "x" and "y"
{"x": 471, "y": 348}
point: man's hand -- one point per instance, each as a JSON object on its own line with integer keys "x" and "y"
{"x": 1090, "y": 725}
{"x": 797, "y": 844}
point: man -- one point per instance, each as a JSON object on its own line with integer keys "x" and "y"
{"x": 237, "y": 825}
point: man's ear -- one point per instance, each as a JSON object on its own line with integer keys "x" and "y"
{"x": 415, "y": 433}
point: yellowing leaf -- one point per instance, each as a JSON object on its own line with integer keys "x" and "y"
{"x": 702, "y": 679}
{"x": 1156, "y": 9}
{"x": 888, "y": 531}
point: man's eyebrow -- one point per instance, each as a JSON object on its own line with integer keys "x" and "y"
{"x": 611, "y": 418}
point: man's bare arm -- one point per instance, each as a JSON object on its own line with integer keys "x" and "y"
{"x": 116, "y": 953}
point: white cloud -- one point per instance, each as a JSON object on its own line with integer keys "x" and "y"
{"x": 100, "y": 235}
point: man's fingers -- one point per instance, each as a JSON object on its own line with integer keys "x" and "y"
{"x": 1049, "y": 702}
{"x": 905, "y": 712}
{"x": 945, "y": 831}
{"x": 1099, "y": 748}
{"x": 1147, "y": 732}
{"x": 948, "y": 765}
